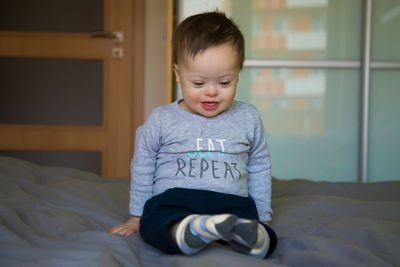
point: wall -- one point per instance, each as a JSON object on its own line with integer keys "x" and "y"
{"x": 155, "y": 84}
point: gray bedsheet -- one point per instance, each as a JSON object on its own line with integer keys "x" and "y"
{"x": 59, "y": 217}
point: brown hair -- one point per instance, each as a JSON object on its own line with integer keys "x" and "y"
{"x": 199, "y": 32}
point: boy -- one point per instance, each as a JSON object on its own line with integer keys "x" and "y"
{"x": 201, "y": 168}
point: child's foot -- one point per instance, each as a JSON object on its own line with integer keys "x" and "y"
{"x": 196, "y": 231}
{"x": 250, "y": 237}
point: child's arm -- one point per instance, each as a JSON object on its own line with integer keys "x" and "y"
{"x": 142, "y": 173}
{"x": 259, "y": 172}
{"x": 143, "y": 165}
{"x": 131, "y": 226}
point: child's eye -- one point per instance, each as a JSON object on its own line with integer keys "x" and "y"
{"x": 225, "y": 83}
{"x": 198, "y": 84}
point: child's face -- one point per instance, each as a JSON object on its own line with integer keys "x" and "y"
{"x": 208, "y": 80}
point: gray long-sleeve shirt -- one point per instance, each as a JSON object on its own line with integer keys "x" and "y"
{"x": 227, "y": 154}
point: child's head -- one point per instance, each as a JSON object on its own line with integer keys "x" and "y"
{"x": 208, "y": 53}
{"x": 202, "y": 31}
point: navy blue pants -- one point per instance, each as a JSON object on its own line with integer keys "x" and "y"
{"x": 162, "y": 211}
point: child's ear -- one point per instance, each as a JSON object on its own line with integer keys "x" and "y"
{"x": 176, "y": 71}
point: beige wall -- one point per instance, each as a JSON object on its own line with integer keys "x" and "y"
{"x": 155, "y": 83}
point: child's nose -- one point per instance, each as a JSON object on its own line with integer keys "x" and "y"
{"x": 212, "y": 90}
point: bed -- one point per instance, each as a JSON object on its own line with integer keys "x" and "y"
{"x": 53, "y": 216}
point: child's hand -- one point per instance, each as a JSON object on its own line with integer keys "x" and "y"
{"x": 131, "y": 226}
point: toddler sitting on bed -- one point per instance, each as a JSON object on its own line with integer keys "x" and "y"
{"x": 201, "y": 167}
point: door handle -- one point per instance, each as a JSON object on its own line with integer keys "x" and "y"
{"x": 115, "y": 36}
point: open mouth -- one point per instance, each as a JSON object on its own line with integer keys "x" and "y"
{"x": 210, "y": 105}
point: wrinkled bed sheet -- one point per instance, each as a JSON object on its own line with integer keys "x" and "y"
{"x": 59, "y": 217}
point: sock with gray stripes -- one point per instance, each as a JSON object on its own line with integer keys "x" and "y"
{"x": 250, "y": 237}
{"x": 194, "y": 232}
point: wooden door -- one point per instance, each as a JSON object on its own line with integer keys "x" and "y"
{"x": 122, "y": 83}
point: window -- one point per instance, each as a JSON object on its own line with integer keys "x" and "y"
{"x": 305, "y": 72}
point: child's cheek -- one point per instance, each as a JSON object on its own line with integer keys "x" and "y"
{"x": 194, "y": 98}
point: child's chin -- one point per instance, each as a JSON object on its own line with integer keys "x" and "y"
{"x": 209, "y": 114}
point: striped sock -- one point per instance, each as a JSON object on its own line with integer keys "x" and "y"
{"x": 196, "y": 231}
{"x": 250, "y": 237}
